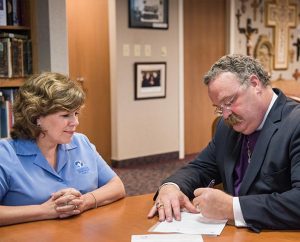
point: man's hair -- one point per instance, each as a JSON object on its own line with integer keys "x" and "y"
{"x": 242, "y": 66}
{"x": 41, "y": 95}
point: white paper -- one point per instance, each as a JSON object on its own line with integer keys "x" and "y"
{"x": 167, "y": 238}
{"x": 191, "y": 224}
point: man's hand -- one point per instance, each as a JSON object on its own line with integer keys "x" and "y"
{"x": 213, "y": 203}
{"x": 169, "y": 202}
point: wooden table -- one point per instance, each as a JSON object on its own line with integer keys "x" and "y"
{"x": 116, "y": 223}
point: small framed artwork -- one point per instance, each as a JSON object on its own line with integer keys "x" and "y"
{"x": 150, "y": 80}
{"x": 149, "y": 14}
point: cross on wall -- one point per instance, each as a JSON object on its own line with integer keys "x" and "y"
{"x": 296, "y": 74}
{"x": 248, "y": 31}
{"x": 255, "y": 5}
{"x": 282, "y": 16}
{"x": 297, "y": 44}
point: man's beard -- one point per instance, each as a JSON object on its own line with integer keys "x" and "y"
{"x": 233, "y": 119}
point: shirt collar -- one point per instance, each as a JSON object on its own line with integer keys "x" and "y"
{"x": 29, "y": 147}
{"x": 274, "y": 97}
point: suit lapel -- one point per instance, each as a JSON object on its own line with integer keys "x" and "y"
{"x": 257, "y": 158}
{"x": 261, "y": 147}
{"x": 230, "y": 159}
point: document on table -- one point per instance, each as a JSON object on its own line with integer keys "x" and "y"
{"x": 167, "y": 238}
{"x": 191, "y": 223}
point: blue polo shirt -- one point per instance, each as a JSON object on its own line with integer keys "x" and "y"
{"x": 26, "y": 177}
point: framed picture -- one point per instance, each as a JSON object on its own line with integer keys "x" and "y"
{"x": 274, "y": 18}
{"x": 150, "y": 80}
{"x": 148, "y": 14}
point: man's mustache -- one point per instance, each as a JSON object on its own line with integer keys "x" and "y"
{"x": 233, "y": 119}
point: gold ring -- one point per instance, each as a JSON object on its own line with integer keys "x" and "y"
{"x": 158, "y": 205}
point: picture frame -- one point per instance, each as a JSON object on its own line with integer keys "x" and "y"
{"x": 150, "y": 80}
{"x": 152, "y": 14}
{"x": 281, "y": 30}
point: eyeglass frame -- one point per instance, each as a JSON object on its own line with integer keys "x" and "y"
{"x": 219, "y": 110}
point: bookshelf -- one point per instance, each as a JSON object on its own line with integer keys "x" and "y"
{"x": 16, "y": 60}
{"x": 23, "y": 27}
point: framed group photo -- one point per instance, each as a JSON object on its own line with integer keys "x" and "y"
{"x": 149, "y": 14}
{"x": 150, "y": 80}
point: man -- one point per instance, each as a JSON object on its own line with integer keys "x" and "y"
{"x": 255, "y": 153}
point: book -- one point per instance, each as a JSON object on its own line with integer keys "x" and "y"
{"x": 7, "y": 113}
{"x": 9, "y": 121}
{"x": 4, "y": 118}
{"x": 9, "y": 93}
{"x": 5, "y": 58}
{"x": 16, "y": 12}
{"x": 17, "y": 57}
{"x": 3, "y": 18}
{"x": 9, "y": 15}
{"x": 1, "y": 103}
{"x": 27, "y": 57}
{"x": 23, "y": 10}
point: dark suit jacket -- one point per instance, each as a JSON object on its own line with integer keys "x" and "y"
{"x": 270, "y": 191}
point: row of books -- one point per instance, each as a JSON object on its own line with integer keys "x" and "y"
{"x": 7, "y": 96}
{"x": 12, "y": 12}
{"x": 15, "y": 55}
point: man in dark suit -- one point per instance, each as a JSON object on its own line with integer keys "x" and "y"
{"x": 255, "y": 153}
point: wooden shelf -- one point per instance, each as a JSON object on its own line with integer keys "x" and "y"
{"x": 12, "y": 82}
{"x": 12, "y": 27}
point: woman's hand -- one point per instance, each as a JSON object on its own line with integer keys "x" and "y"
{"x": 67, "y": 202}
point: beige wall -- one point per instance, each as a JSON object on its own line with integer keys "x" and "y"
{"x": 144, "y": 127}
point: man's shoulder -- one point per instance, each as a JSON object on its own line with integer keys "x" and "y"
{"x": 291, "y": 111}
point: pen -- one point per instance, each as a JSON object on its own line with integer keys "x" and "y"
{"x": 212, "y": 183}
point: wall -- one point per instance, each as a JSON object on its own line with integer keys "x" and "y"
{"x": 58, "y": 36}
{"x": 146, "y": 127}
{"x": 238, "y": 40}
{"x": 143, "y": 127}
{"x": 42, "y": 35}
{"x": 51, "y": 36}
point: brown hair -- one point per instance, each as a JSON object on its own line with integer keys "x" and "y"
{"x": 43, "y": 94}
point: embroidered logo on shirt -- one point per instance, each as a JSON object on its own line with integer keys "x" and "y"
{"x": 81, "y": 167}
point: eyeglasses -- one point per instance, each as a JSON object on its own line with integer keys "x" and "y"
{"x": 226, "y": 105}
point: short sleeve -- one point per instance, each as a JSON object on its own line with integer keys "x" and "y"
{"x": 5, "y": 161}
{"x": 105, "y": 172}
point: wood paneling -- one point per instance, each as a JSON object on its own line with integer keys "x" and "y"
{"x": 89, "y": 59}
{"x": 289, "y": 87}
{"x": 204, "y": 43}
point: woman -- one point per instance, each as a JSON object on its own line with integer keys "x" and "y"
{"x": 47, "y": 170}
